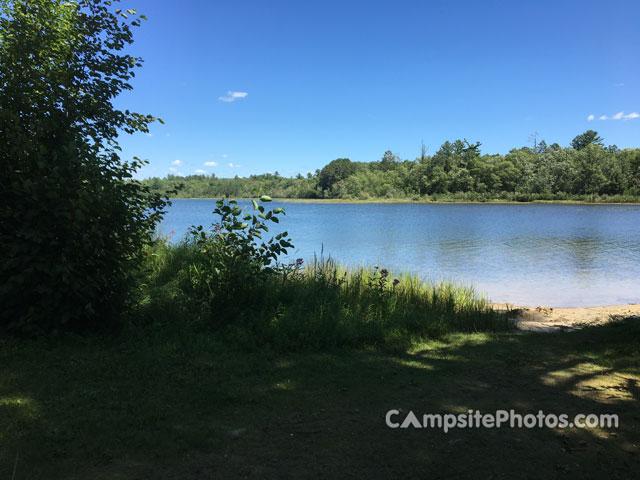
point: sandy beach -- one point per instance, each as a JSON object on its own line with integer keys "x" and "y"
{"x": 549, "y": 319}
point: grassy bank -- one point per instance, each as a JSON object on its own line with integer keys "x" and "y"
{"x": 314, "y": 307}
{"x": 176, "y": 404}
{"x": 581, "y": 200}
{"x": 496, "y": 201}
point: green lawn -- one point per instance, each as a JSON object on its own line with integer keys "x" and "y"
{"x": 127, "y": 408}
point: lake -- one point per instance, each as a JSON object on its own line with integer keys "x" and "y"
{"x": 528, "y": 254}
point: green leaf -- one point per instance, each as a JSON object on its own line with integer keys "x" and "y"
{"x": 265, "y": 198}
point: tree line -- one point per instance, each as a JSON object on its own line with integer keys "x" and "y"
{"x": 585, "y": 170}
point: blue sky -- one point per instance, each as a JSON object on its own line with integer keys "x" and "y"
{"x": 315, "y": 81}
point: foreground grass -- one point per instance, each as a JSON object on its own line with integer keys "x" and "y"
{"x": 179, "y": 404}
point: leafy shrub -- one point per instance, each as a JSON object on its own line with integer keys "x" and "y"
{"x": 72, "y": 223}
{"x": 234, "y": 262}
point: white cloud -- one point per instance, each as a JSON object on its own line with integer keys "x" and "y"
{"x": 233, "y": 165}
{"x": 200, "y": 172}
{"x": 177, "y": 163}
{"x": 621, "y": 116}
{"x": 210, "y": 164}
{"x": 224, "y": 155}
{"x": 591, "y": 117}
{"x": 173, "y": 170}
{"x": 149, "y": 134}
{"x": 233, "y": 96}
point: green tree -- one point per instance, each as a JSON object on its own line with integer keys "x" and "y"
{"x": 337, "y": 170}
{"x": 589, "y": 170}
{"x": 72, "y": 222}
{"x": 587, "y": 138}
{"x": 388, "y": 161}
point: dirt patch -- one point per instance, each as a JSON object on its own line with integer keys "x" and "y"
{"x": 549, "y": 319}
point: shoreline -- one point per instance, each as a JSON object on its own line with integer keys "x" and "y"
{"x": 408, "y": 201}
{"x": 550, "y": 319}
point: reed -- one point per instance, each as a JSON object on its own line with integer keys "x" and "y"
{"x": 321, "y": 305}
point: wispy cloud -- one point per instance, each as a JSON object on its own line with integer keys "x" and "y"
{"x": 200, "y": 171}
{"x": 210, "y": 164}
{"x": 233, "y": 96}
{"x": 224, "y": 155}
{"x": 233, "y": 165}
{"x": 618, "y": 84}
{"x": 621, "y": 116}
{"x": 149, "y": 134}
{"x": 177, "y": 163}
{"x": 591, "y": 117}
{"x": 173, "y": 170}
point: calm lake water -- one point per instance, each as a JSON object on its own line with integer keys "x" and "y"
{"x": 557, "y": 255}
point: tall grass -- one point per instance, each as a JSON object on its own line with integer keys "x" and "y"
{"x": 320, "y": 306}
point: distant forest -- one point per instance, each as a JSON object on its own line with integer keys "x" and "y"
{"x": 586, "y": 170}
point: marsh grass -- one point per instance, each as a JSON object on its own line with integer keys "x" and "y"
{"x": 321, "y": 305}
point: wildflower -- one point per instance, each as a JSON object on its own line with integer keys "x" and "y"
{"x": 395, "y": 282}
{"x": 384, "y": 272}
{"x": 299, "y": 262}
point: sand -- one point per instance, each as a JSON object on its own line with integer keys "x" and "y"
{"x": 548, "y": 319}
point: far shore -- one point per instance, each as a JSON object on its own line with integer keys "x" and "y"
{"x": 409, "y": 201}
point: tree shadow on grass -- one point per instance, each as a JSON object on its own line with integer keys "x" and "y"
{"x": 189, "y": 410}
{"x": 333, "y": 421}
